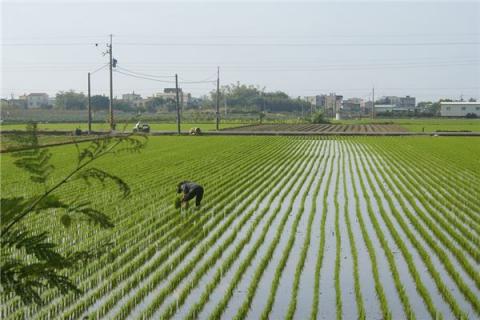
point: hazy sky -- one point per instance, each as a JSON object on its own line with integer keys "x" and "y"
{"x": 425, "y": 49}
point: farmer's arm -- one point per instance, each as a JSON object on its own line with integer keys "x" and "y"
{"x": 185, "y": 191}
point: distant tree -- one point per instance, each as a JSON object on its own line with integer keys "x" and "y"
{"x": 30, "y": 261}
{"x": 472, "y": 100}
{"x": 261, "y": 116}
{"x": 99, "y": 102}
{"x": 153, "y": 104}
{"x": 255, "y": 98}
{"x": 435, "y": 107}
{"x": 70, "y": 100}
{"x": 424, "y": 104}
{"x": 122, "y": 106}
{"x": 318, "y": 117}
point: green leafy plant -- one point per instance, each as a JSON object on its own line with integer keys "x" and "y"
{"x": 30, "y": 261}
{"x": 319, "y": 118}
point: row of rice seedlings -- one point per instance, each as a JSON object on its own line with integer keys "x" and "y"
{"x": 361, "y": 314}
{"x": 433, "y": 189}
{"x": 227, "y": 263}
{"x": 283, "y": 260}
{"x": 447, "y": 175}
{"x": 441, "y": 158}
{"x": 383, "y": 242}
{"x": 147, "y": 239}
{"x": 217, "y": 254}
{"x": 471, "y": 271}
{"x": 321, "y": 248}
{"x": 134, "y": 251}
{"x": 267, "y": 249}
{"x": 338, "y": 291}
{"x": 158, "y": 276}
{"x": 247, "y": 191}
{"x": 386, "y": 313}
{"x": 443, "y": 289}
{"x": 457, "y": 253}
{"x": 421, "y": 289}
{"x": 306, "y": 244}
{"x": 133, "y": 282}
{"x": 378, "y": 230}
{"x": 266, "y": 258}
{"x": 221, "y": 305}
{"x": 84, "y": 271}
{"x": 169, "y": 249}
{"x": 173, "y": 307}
{"x": 458, "y": 171}
{"x": 412, "y": 186}
{"x": 445, "y": 183}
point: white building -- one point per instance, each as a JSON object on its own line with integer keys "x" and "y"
{"x": 171, "y": 93}
{"x": 459, "y": 109}
{"x": 381, "y": 108}
{"x": 36, "y": 100}
{"x": 131, "y": 97}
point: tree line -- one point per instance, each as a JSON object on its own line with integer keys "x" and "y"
{"x": 238, "y": 97}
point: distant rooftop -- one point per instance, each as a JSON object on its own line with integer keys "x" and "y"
{"x": 459, "y": 102}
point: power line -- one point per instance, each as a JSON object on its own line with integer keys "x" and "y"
{"x": 263, "y": 68}
{"x": 46, "y": 44}
{"x": 141, "y": 77}
{"x": 100, "y": 68}
{"x": 209, "y": 79}
{"x": 143, "y": 74}
{"x": 251, "y": 44}
{"x": 194, "y": 82}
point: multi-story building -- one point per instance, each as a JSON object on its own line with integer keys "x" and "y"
{"x": 332, "y": 104}
{"x": 354, "y": 105}
{"x": 37, "y": 100}
{"x": 17, "y": 103}
{"x": 459, "y": 109}
{"x": 133, "y": 99}
{"x": 316, "y": 101}
{"x": 405, "y": 103}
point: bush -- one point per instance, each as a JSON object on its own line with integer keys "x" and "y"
{"x": 471, "y": 116}
{"x": 318, "y": 117}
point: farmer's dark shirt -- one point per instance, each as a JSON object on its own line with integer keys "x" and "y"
{"x": 189, "y": 186}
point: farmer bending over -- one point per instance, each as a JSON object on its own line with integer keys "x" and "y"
{"x": 190, "y": 190}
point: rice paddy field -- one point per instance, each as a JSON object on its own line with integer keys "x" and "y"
{"x": 320, "y": 128}
{"x": 290, "y": 228}
{"x": 363, "y": 125}
{"x": 120, "y": 126}
{"x": 423, "y": 124}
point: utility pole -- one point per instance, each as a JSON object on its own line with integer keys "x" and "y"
{"x": 218, "y": 98}
{"x": 373, "y": 102}
{"x": 225, "y": 104}
{"x": 89, "y": 107}
{"x": 263, "y": 96}
{"x": 110, "y": 104}
{"x": 177, "y": 103}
